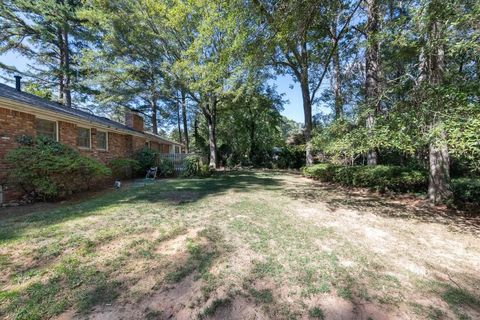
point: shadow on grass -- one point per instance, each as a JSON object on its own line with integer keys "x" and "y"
{"x": 169, "y": 191}
{"x": 400, "y": 207}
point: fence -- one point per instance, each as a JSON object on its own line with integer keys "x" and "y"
{"x": 176, "y": 158}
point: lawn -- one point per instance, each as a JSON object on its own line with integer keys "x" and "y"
{"x": 244, "y": 245}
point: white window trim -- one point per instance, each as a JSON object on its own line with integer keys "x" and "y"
{"x": 106, "y": 140}
{"x": 89, "y": 140}
{"x": 57, "y": 137}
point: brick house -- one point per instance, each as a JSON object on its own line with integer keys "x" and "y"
{"x": 94, "y": 136}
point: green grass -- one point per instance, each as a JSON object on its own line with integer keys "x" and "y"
{"x": 316, "y": 313}
{"x": 230, "y": 233}
{"x": 264, "y": 296}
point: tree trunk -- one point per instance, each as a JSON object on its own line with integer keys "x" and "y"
{"x": 66, "y": 54}
{"x": 154, "y": 107}
{"x": 61, "y": 76}
{"x": 185, "y": 124}
{"x": 307, "y": 111}
{"x": 336, "y": 74}
{"x": 439, "y": 170}
{"x": 252, "y": 139}
{"x": 195, "y": 128}
{"x": 179, "y": 121}
{"x": 372, "y": 92}
{"x": 439, "y": 158}
{"x": 209, "y": 112}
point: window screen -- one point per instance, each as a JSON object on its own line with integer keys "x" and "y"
{"x": 83, "y": 137}
{"x": 101, "y": 140}
{"x": 46, "y": 128}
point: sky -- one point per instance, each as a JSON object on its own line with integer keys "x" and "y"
{"x": 285, "y": 85}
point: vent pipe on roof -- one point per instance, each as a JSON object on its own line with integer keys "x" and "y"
{"x": 18, "y": 83}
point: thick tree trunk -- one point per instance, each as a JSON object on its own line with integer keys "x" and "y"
{"x": 307, "y": 111}
{"x": 210, "y": 116}
{"x": 439, "y": 170}
{"x": 372, "y": 90}
{"x": 184, "y": 116}
{"x": 439, "y": 158}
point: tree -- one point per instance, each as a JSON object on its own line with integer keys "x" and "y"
{"x": 251, "y": 125}
{"x": 298, "y": 36}
{"x": 214, "y": 64}
{"x": 50, "y": 34}
{"x": 433, "y": 60}
{"x": 372, "y": 65}
{"x": 126, "y": 62}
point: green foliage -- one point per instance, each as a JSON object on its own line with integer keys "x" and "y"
{"x": 192, "y": 166}
{"x": 316, "y": 313}
{"x": 50, "y": 170}
{"x": 466, "y": 190}
{"x": 146, "y": 159}
{"x": 42, "y": 32}
{"x": 381, "y": 177}
{"x": 324, "y": 172}
{"x": 291, "y": 157}
{"x": 165, "y": 168}
{"x": 124, "y": 168}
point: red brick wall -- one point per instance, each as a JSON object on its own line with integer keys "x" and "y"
{"x": 165, "y": 148}
{"x": 134, "y": 121}
{"x": 155, "y": 146}
{"x": 137, "y": 143}
{"x": 12, "y": 125}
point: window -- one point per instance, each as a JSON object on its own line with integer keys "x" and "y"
{"x": 177, "y": 149}
{"x": 46, "y": 128}
{"x": 83, "y": 137}
{"x": 102, "y": 140}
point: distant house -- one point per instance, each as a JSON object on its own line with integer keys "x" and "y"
{"x": 94, "y": 136}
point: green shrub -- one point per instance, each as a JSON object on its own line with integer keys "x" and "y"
{"x": 192, "y": 166}
{"x": 165, "y": 168}
{"x": 50, "y": 170}
{"x": 146, "y": 159}
{"x": 205, "y": 171}
{"x": 291, "y": 157}
{"x": 381, "y": 177}
{"x": 124, "y": 168}
{"x": 323, "y": 171}
{"x": 466, "y": 190}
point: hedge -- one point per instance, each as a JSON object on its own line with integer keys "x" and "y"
{"x": 49, "y": 170}
{"x": 466, "y": 190}
{"x": 124, "y": 168}
{"x": 381, "y": 177}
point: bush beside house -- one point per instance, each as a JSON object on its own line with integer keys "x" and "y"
{"x": 48, "y": 170}
{"x": 146, "y": 159}
{"x": 124, "y": 168}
